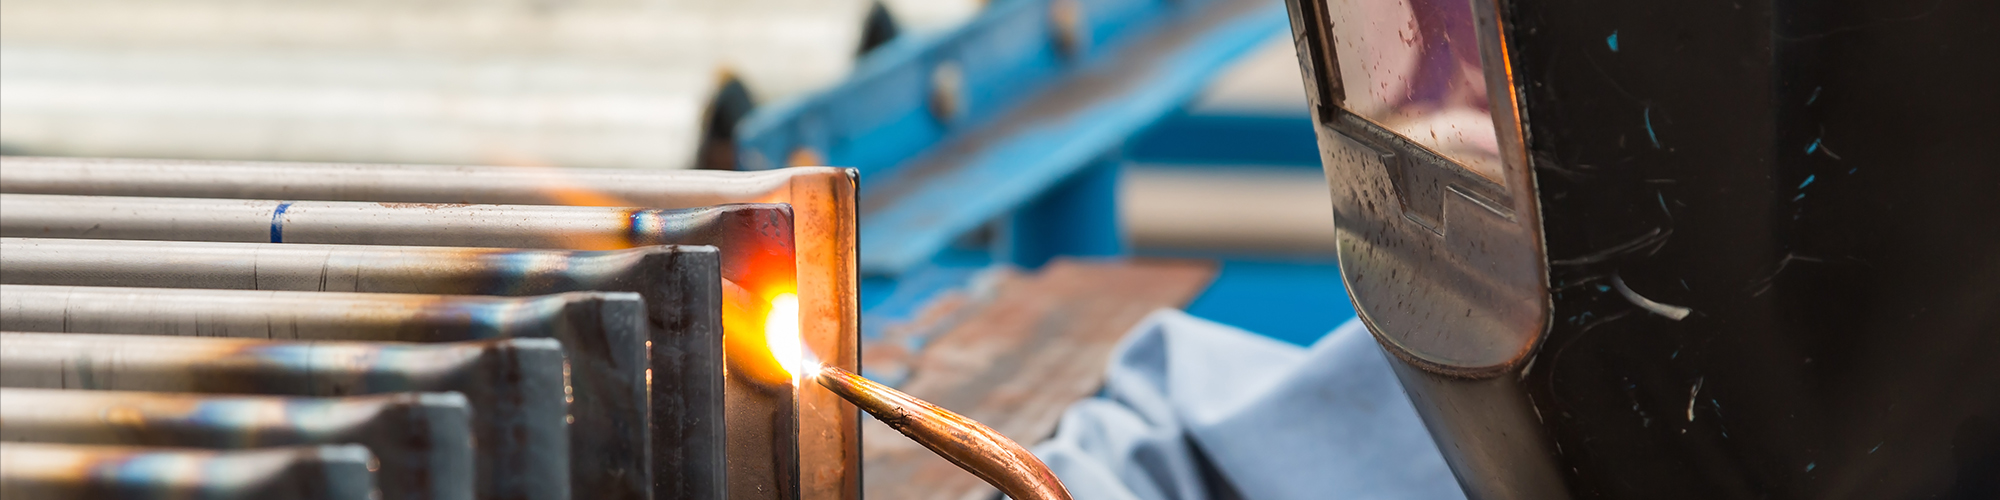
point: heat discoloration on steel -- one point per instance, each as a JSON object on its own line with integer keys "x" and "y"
{"x": 423, "y": 441}
{"x": 740, "y": 227}
{"x": 603, "y": 335}
{"x": 679, "y": 286}
{"x": 756, "y": 238}
{"x": 514, "y": 385}
{"x": 326, "y": 472}
{"x": 822, "y": 198}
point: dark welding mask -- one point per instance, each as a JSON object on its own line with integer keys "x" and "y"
{"x": 1668, "y": 249}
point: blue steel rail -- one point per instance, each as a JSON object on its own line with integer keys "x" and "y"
{"x": 1014, "y": 120}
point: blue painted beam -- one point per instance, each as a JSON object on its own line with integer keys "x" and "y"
{"x": 1227, "y": 140}
{"x": 980, "y": 175}
{"x": 906, "y": 96}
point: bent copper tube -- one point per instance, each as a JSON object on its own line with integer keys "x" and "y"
{"x": 513, "y": 385}
{"x": 822, "y": 201}
{"x": 971, "y": 445}
{"x": 603, "y": 336}
{"x": 36, "y": 471}
{"x": 679, "y": 284}
{"x": 423, "y": 440}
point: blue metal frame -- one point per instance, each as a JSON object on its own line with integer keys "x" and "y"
{"x": 1012, "y": 145}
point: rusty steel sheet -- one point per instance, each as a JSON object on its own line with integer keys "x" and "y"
{"x": 602, "y": 333}
{"x": 514, "y": 386}
{"x": 38, "y": 471}
{"x": 679, "y": 284}
{"x": 422, "y": 441}
{"x": 822, "y": 200}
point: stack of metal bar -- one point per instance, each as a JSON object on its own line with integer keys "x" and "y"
{"x": 294, "y": 330}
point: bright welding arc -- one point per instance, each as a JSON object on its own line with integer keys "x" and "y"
{"x": 781, "y": 334}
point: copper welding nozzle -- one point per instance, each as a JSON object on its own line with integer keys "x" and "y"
{"x": 971, "y": 445}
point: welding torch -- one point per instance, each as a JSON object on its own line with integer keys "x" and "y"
{"x": 971, "y": 445}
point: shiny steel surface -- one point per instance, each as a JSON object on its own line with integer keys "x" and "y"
{"x": 422, "y": 440}
{"x": 756, "y": 238}
{"x": 603, "y": 336}
{"x": 822, "y": 200}
{"x": 679, "y": 285}
{"x": 971, "y": 445}
{"x": 514, "y": 386}
{"x": 35, "y": 471}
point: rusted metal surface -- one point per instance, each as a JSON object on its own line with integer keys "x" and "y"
{"x": 1016, "y": 360}
{"x": 423, "y": 441}
{"x": 603, "y": 335}
{"x": 970, "y": 445}
{"x": 822, "y": 200}
{"x": 515, "y": 386}
{"x": 35, "y": 471}
{"x": 679, "y": 285}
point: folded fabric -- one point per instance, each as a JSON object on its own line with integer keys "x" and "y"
{"x": 1195, "y": 410}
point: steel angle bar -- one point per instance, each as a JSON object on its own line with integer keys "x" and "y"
{"x": 602, "y": 335}
{"x": 37, "y": 471}
{"x": 679, "y": 284}
{"x": 822, "y": 200}
{"x": 755, "y": 239}
{"x": 423, "y": 441}
{"x": 513, "y": 385}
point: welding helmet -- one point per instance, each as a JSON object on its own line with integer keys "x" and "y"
{"x": 1665, "y": 249}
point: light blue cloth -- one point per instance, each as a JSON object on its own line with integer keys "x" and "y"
{"x": 1195, "y": 410}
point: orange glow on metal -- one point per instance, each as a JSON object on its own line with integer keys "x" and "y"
{"x": 761, "y": 334}
{"x": 822, "y": 277}
{"x": 565, "y": 192}
{"x": 781, "y": 333}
